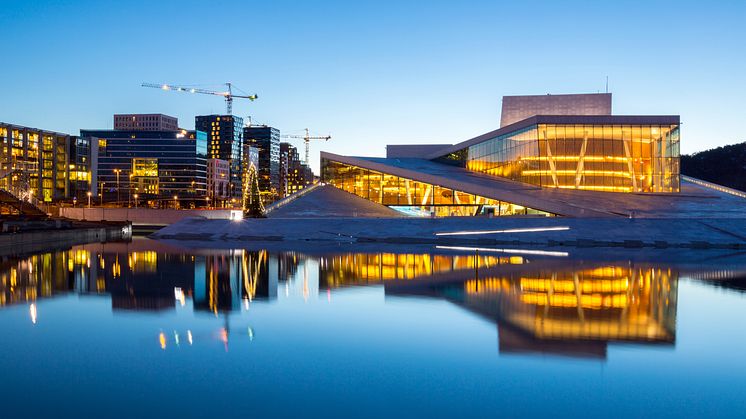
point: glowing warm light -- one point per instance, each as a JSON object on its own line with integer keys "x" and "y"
{"x": 179, "y": 295}
{"x": 162, "y": 340}
{"x": 517, "y": 251}
{"x": 514, "y": 230}
{"x": 224, "y": 337}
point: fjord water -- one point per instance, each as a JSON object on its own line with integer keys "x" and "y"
{"x": 145, "y": 329}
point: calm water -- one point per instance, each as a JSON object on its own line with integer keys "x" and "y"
{"x": 148, "y": 329}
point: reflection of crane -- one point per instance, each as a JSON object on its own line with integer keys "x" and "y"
{"x": 228, "y": 95}
{"x": 307, "y": 139}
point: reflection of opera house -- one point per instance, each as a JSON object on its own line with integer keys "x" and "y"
{"x": 560, "y": 155}
{"x": 565, "y": 310}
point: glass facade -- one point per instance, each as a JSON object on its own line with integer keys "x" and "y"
{"x": 34, "y": 162}
{"x": 224, "y": 140}
{"x": 267, "y": 140}
{"x": 155, "y": 165}
{"x": 413, "y": 197}
{"x": 612, "y": 158}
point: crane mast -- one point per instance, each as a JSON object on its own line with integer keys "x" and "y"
{"x": 307, "y": 140}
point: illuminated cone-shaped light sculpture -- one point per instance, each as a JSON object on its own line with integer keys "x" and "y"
{"x": 252, "y": 200}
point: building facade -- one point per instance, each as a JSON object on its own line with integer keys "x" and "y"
{"x": 225, "y": 142}
{"x": 218, "y": 175}
{"x": 164, "y": 168}
{"x": 82, "y": 168}
{"x": 518, "y": 108}
{"x": 34, "y": 162}
{"x": 510, "y": 171}
{"x": 145, "y": 122}
{"x": 601, "y": 153}
{"x": 267, "y": 140}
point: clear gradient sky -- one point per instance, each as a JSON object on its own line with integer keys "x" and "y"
{"x": 372, "y": 73}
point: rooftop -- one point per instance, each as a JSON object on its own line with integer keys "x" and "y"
{"x": 694, "y": 201}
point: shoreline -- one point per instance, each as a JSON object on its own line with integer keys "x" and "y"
{"x": 551, "y": 232}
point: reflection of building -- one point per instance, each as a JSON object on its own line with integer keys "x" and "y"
{"x": 233, "y": 277}
{"x": 361, "y": 268}
{"x": 569, "y": 311}
{"x": 157, "y": 165}
{"x": 578, "y": 147}
{"x": 225, "y": 142}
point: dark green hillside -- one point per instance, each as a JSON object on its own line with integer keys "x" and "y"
{"x": 723, "y": 165}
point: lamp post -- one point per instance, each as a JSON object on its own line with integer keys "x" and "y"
{"x": 176, "y": 202}
{"x": 89, "y": 198}
{"x": 117, "y": 171}
{"x": 135, "y": 200}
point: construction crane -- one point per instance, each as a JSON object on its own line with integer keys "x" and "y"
{"x": 307, "y": 140}
{"x": 228, "y": 95}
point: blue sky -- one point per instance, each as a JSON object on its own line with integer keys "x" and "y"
{"x": 372, "y": 73}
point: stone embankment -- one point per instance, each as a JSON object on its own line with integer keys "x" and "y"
{"x": 60, "y": 233}
{"x": 545, "y": 232}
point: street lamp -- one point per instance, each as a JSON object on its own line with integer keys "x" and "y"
{"x": 135, "y": 200}
{"x": 176, "y": 202}
{"x": 89, "y": 198}
{"x": 129, "y": 192}
{"x": 117, "y": 171}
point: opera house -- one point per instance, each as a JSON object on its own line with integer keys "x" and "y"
{"x": 553, "y": 155}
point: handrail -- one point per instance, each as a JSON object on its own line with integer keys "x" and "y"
{"x": 715, "y": 186}
{"x": 288, "y": 199}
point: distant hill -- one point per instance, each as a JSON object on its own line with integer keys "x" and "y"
{"x": 723, "y": 165}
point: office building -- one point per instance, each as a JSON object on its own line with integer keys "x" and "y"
{"x": 218, "y": 175}
{"x": 294, "y": 173}
{"x": 267, "y": 140}
{"x": 164, "y": 168}
{"x": 82, "y": 168}
{"x": 145, "y": 122}
{"x": 34, "y": 162}
{"x": 225, "y": 142}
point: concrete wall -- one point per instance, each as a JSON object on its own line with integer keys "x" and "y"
{"x": 49, "y": 240}
{"x": 518, "y": 108}
{"x": 145, "y": 216}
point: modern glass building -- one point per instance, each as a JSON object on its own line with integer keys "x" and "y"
{"x": 34, "y": 161}
{"x": 520, "y": 168}
{"x": 415, "y": 197}
{"x": 159, "y": 166}
{"x": 267, "y": 140}
{"x": 225, "y": 142}
{"x": 602, "y": 153}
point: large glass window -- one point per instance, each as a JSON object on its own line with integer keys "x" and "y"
{"x": 613, "y": 158}
{"x": 415, "y": 198}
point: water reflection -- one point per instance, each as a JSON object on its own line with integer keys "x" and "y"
{"x": 539, "y": 305}
{"x": 573, "y": 312}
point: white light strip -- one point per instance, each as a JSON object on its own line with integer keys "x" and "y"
{"x": 514, "y": 230}
{"x": 517, "y": 251}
